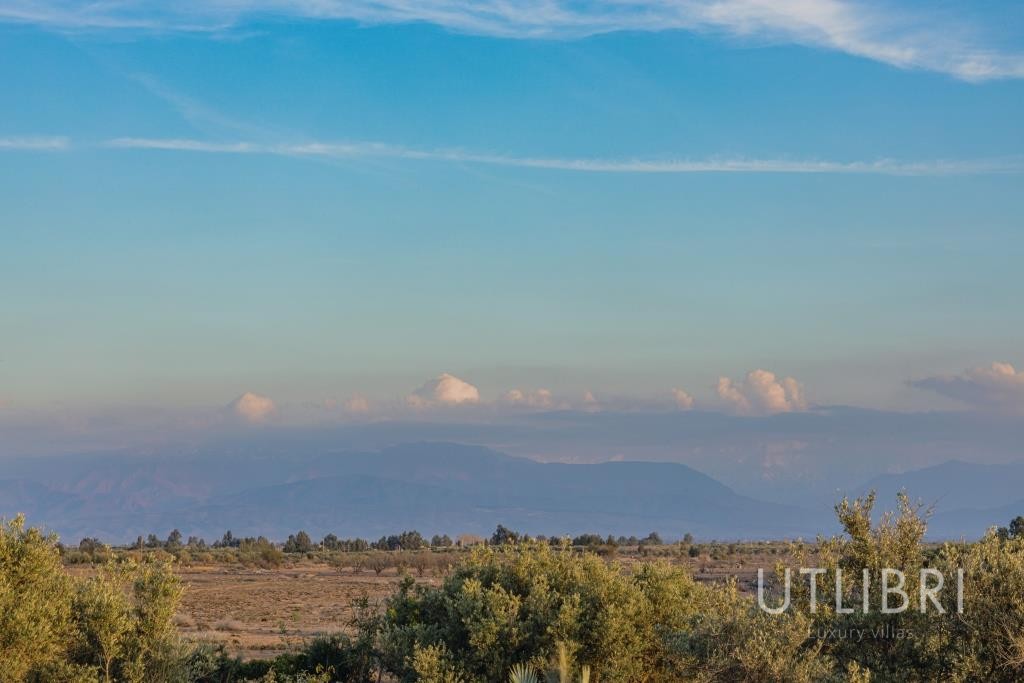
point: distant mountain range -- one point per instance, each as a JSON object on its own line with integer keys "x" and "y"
{"x": 967, "y": 498}
{"x": 448, "y": 488}
{"x": 430, "y": 487}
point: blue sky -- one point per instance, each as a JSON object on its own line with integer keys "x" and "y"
{"x": 331, "y": 204}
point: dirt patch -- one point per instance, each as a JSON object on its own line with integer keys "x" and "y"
{"x": 263, "y": 612}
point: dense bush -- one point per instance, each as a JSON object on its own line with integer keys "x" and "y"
{"x": 259, "y": 553}
{"x": 113, "y": 626}
{"x": 512, "y": 605}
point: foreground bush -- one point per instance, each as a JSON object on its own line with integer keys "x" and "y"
{"x": 35, "y": 602}
{"x": 508, "y": 608}
{"x": 511, "y": 604}
{"x": 115, "y": 626}
{"x": 514, "y": 607}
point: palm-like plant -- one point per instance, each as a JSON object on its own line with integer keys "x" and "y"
{"x": 521, "y": 673}
{"x": 562, "y": 673}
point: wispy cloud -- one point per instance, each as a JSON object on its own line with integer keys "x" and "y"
{"x": 947, "y": 41}
{"x": 368, "y": 150}
{"x": 377, "y": 150}
{"x": 199, "y": 115}
{"x": 35, "y": 144}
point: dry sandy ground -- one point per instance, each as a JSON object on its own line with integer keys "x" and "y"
{"x": 259, "y": 613}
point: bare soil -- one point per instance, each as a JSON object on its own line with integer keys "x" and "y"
{"x": 259, "y": 613}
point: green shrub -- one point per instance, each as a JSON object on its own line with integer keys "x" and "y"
{"x": 512, "y": 604}
{"x": 259, "y": 553}
{"x": 115, "y": 626}
{"x": 35, "y": 602}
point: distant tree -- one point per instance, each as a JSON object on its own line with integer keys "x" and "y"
{"x": 442, "y": 541}
{"x": 688, "y": 538}
{"x": 502, "y": 535}
{"x": 422, "y": 562}
{"x": 378, "y": 562}
{"x": 196, "y": 542}
{"x": 1014, "y": 530}
{"x": 227, "y": 541}
{"x": 651, "y": 539}
{"x": 330, "y": 542}
{"x": 298, "y": 543}
{"x": 586, "y": 540}
{"x": 1017, "y": 527}
{"x": 153, "y": 542}
{"x": 354, "y": 545}
{"x": 407, "y": 540}
{"x": 90, "y": 545}
{"x": 411, "y": 540}
{"x": 173, "y": 540}
{"x": 139, "y": 543}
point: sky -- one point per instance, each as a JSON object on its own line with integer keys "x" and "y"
{"x": 304, "y": 212}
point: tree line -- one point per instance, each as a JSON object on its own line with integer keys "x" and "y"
{"x": 302, "y": 542}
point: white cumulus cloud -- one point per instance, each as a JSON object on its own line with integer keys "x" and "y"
{"x": 998, "y": 386}
{"x": 252, "y": 408}
{"x": 761, "y": 392}
{"x": 445, "y": 389}
{"x": 683, "y": 399}
{"x": 541, "y": 398}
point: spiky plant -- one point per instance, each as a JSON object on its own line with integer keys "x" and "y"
{"x": 521, "y": 673}
{"x": 564, "y": 666}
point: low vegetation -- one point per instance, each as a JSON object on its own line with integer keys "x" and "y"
{"x": 522, "y": 609}
{"x": 114, "y": 626}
